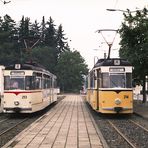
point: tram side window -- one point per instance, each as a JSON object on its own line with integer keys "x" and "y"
{"x": 37, "y": 83}
{"x": 88, "y": 82}
{"x": 105, "y": 80}
{"x": 45, "y": 83}
{"x": 48, "y": 83}
{"x": 32, "y": 82}
{"x": 55, "y": 83}
{"x": 98, "y": 78}
{"x": 128, "y": 80}
{"x": 92, "y": 80}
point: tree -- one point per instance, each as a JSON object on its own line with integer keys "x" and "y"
{"x": 23, "y": 37}
{"x": 45, "y": 57}
{"x": 29, "y": 37}
{"x": 50, "y": 33}
{"x": 61, "y": 40}
{"x": 43, "y": 29}
{"x": 71, "y": 69}
{"x": 8, "y": 50}
{"x": 134, "y": 44}
{"x": 35, "y": 30}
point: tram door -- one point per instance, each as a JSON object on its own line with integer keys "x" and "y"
{"x": 1, "y": 86}
{"x": 98, "y": 84}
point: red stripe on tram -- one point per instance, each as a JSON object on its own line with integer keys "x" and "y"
{"x": 20, "y": 92}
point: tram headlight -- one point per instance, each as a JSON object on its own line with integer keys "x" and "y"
{"x": 117, "y": 101}
{"x": 16, "y": 103}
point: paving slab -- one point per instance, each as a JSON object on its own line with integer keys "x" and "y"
{"x": 68, "y": 124}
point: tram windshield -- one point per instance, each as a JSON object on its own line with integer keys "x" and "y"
{"x": 116, "y": 80}
{"x": 14, "y": 83}
{"x": 22, "y": 83}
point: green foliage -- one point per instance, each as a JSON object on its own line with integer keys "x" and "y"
{"x": 45, "y": 57}
{"x": 44, "y": 44}
{"x": 8, "y": 51}
{"x": 50, "y": 34}
{"x": 134, "y": 42}
{"x": 61, "y": 40}
{"x": 20, "y": 41}
{"x": 70, "y": 71}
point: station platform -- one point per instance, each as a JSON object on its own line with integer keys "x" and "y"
{"x": 68, "y": 124}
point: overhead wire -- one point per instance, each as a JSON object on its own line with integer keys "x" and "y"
{"x": 115, "y": 4}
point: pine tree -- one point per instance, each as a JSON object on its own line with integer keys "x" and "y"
{"x": 8, "y": 50}
{"x": 50, "y": 38}
{"x": 35, "y": 30}
{"x": 62, "y": 45}
{"x": 43, "y": 30}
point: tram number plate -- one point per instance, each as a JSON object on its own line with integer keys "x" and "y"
{"x": 24, "y": 97}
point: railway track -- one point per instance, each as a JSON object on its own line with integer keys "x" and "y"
{"x": 132, "y": 132}
{"x": 12, "y": 124}
{"x": 10, "y": 128}
{"x": 135, "y": 133}
{"x": 3, "y": 120}
{"x": 122, "y": 131}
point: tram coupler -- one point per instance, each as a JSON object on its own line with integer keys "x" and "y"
{"x": 118, "y": 109}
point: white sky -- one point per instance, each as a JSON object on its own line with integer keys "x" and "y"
{"x": 80, "y": 20}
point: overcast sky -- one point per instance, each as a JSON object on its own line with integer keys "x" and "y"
{"x": 80, "y": 20}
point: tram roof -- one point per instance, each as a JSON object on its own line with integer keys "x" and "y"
{"x": 112, "y": 62}
{"x": 26, "y": 66}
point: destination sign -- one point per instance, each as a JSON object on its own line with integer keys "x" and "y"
{"x": 117, "y": 69}
{"x": 17, "y": 73}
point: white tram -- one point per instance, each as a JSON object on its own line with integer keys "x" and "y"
{"x": 1, "y": 86}
{"x": 28, "y": 88}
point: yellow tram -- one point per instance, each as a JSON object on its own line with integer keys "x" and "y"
{"x": 28, "y": 88}
{"x": 109, "y": 86}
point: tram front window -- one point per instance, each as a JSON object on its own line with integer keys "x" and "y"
{"x": 117, "y": 80}
{"x": 14, "y": 83}
{"x": 105, "y": 80}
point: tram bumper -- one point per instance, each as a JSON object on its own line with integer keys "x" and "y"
{"x": 17, "y": 110}
{"x": 117, "y": 109}
{"x": 12, "y": 110}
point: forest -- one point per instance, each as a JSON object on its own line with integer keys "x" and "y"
{"x": 44, "y": 43}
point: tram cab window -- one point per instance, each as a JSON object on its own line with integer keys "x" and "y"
{"x": 105, "y": 80}
{"x": 117, "y": 80}
{"x": 11, "y": 83}
{"x": 28, "y": 83}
